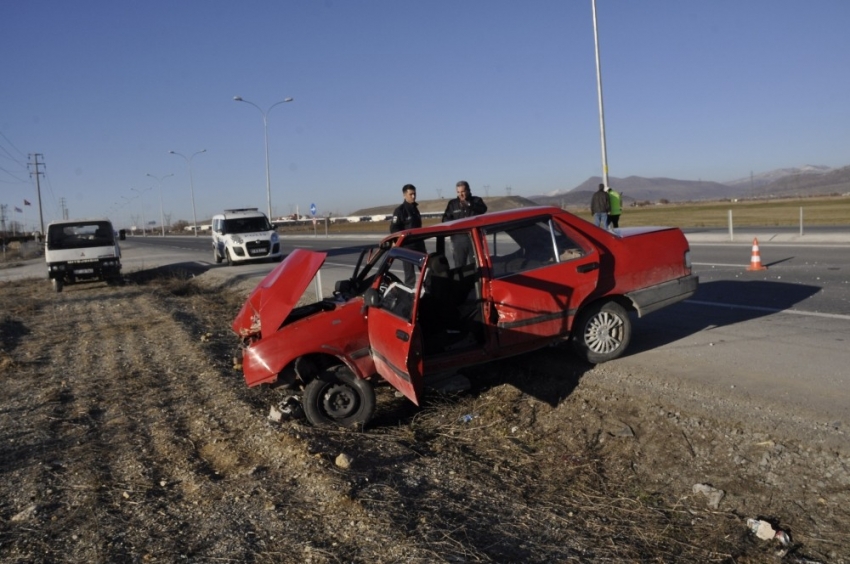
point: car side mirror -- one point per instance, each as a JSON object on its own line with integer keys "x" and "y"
{"x": 371, "y": 298}
{"x": 342, "y": 287}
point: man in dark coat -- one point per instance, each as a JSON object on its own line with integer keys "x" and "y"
{"x": 406, "y": 216}
{"x": 465, "y": 205}
{"x": 600, "y": 205}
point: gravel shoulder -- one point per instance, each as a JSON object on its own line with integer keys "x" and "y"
{"x": 127, "y": 436}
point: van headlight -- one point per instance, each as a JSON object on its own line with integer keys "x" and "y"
{"x": 236, "y": 239}
{"x": 275, "y": 238}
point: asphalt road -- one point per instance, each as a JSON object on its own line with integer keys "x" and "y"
{"x": 778, "y": 336}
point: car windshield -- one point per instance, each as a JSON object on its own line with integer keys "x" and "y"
{"x": 80, "y": 235}
{"x": 246, "y": 225}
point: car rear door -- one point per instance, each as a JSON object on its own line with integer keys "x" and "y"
{"x": 394, "y": 336}
{"x": 540, "y": 271}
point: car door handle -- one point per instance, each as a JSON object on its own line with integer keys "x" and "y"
{"x": 402, "y": 335}
{"x": 587, "y": 267}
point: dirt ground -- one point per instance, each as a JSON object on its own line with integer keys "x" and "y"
{"x": 127, "y": 436}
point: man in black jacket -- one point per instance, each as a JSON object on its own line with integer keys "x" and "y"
{"x": 465, "y": 205}
{"x": 406, "y": 216}
{"x": 600, "y": 205}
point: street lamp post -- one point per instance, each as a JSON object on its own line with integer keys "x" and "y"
{"x": 128, "y": 202}
{"x": 599, "y": 95}
{"x": 191, "y": 183}
{"x": 144, "y": 225}
{"x": 266, "y": 131}
{"x": 161, "y": 213}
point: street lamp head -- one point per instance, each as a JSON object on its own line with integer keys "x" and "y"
{"x": 238, "y": 98}
{"x": 288, "y": 99}
{"x": 172, "y": 153}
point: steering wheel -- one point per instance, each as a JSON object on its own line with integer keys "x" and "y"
{"x": 387, "y": 279}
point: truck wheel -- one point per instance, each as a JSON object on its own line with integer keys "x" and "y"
{"x": 338, "y": 397}
{"x": 602, "y": 332}
{"x": 57, "y": 284}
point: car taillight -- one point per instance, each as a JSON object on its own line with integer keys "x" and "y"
{"x": 688, "y": 259}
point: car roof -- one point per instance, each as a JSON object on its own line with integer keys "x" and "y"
{"x": 246, "y": 212}
{"x": 490, "y": 218}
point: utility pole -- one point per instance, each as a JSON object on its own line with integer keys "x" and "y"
{"x": 38, "y": 173}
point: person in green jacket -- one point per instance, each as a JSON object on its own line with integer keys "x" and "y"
{"x": 616, "y": 202}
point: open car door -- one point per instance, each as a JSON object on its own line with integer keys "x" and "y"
{"x": 394, "y": 334}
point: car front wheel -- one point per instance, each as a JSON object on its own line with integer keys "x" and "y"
{"x": 338, "y": 397}
{"x": 602, "y": 332}
{"x": 57, "y": 284}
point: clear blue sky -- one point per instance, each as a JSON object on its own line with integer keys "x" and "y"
{"x": 499, "y": 93}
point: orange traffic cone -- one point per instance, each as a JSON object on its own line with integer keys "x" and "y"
{"x": 755, "y": 261}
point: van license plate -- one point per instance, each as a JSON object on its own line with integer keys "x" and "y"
{"x": 257, "y": 251}
{"x": 85, "y": 271}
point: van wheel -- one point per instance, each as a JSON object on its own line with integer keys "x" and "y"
{"x": 57, "y": 284}
{"x": 229, "y": 257}
{"x": 602, "y": 332}
{"x": 338, "y": 397}
{"x": 216, "y": 257}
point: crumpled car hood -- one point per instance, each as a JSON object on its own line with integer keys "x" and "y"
{"x": 278, "y": 293}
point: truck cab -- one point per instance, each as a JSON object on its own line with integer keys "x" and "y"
{"x": 82, "y": 250}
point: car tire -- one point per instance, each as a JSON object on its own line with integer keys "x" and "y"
{"x": 216, "y": 256}
{"x": 602, "y": 332}
{"x": 57, "y": 284}
{"x": 228, "y": 256}
{"x": 338, "y": 397}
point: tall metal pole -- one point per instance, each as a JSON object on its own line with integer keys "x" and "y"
{"x": 161, "y": 213}
{"x": 266, "y": 135}
{"x": 144, "y": 225}
{"x": 599, "y": 92}
{"x": 191, "y": 184}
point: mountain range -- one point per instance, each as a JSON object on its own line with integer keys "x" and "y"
{"x": 781, "y": 183}
{"x": 802, "y": 181}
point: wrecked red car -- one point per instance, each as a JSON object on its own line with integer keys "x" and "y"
{"x": 485, "y": 287}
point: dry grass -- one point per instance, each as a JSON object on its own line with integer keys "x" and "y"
{"x": 746, "y": 213}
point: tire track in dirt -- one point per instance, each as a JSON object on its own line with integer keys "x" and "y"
{"x": 127, "y": 436}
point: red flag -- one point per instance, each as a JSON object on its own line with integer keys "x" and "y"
{"x": 26, "y": 203}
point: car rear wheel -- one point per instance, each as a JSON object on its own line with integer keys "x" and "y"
{"x": 602, "y": 332}
{"x": 338, "y": 397}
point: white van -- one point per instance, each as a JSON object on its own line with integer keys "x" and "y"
{"x": 82, "y": 249}
{"x": 244, "y": 234}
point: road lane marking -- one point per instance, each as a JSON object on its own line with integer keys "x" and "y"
{"x": 771, "y": 309}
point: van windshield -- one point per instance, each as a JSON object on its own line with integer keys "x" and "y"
{"x": 80, "y": 235}
{"x": 247, "y": 225}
